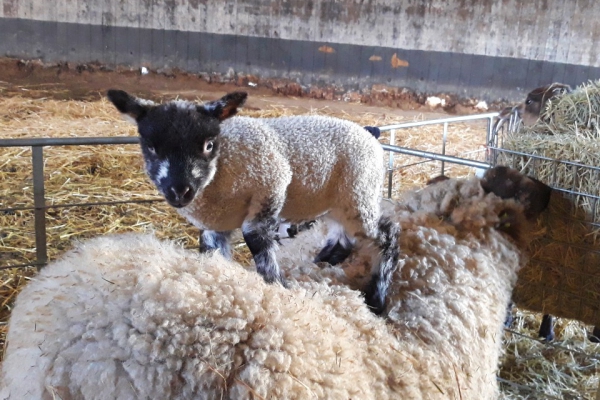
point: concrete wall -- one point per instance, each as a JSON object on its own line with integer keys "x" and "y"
{"x": 472, "y": 47}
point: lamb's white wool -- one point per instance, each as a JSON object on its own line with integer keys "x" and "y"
{"x": 130, "y": 317}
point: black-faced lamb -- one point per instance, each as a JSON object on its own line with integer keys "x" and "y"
{"x": 223, "y": 172}
{"x": 131, "y": 317}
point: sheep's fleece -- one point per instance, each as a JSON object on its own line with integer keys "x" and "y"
{"x": 131, "y": 317}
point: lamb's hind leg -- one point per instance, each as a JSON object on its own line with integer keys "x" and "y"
{"x": 259, "y": 234}
{"x": 383, "y": 233}
{"x": 383, "y": 270}
{"x": 212, "y": 240}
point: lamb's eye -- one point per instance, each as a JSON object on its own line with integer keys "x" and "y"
{"x": 208, "y": 146}
{"x": 529, "y": 101}
{"x": 152, "y": 150}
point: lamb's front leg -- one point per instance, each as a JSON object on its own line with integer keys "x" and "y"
{"x": 212, "y": 240}
{"x": 259, "y": 234}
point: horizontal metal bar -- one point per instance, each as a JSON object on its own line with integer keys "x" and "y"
{"x": 438, "y": 121}
{"x": 100, "y": 203}
{"x": 34, "y": 264}
{"x": 519, "y": 153}
{"x": 78, "y": 141}
{"x": 556, "y": 346}
{"x": 436, "y": 156}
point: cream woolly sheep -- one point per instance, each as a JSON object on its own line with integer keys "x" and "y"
{"x": 224, "y": 173}
{"x": 130, "y": 317}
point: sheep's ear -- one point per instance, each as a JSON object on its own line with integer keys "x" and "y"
{"x": 226, "y": 106}
{"x": 131, "y": 107}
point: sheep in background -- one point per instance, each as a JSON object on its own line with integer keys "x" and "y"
{"x": 532, "y": 108}
{"x": 130, "y": 317}
{"x": 223, "y": 173}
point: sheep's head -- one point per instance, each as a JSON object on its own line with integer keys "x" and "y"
{"x": 531, "y": 110}
{"x": 508, "y": 183}
{"x": 179, "y": 140}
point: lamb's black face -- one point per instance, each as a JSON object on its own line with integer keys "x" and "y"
{"x": 179, "y": 141}
{"x": 180, "y": 147}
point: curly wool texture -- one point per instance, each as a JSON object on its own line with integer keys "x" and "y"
{"x": 309, "y": 164}
{"x": 130, "y": 317}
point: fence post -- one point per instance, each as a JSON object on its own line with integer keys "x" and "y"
{"x": 391, "y": 163}
{"x": 39, "y": 201}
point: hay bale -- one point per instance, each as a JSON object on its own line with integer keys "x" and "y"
{"x": 563, "y": 275}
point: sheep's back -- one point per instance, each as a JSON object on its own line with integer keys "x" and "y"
{"x": 129, "y": 317}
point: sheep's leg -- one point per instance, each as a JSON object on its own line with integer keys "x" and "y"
{"x": 509, "y": 314}
{"x": 259, "y": 234}
{"x": 212, "y": 240}
{"x": 338, "y": 246}
{"x": 382, "y": 271}
{"x": 547, "y": 327}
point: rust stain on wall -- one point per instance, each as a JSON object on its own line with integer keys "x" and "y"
{"x": 326, "y": 49}
{"x": 375, "y": 58}
{"x": 10, "y": 8}
{"x": 397, "y": 62}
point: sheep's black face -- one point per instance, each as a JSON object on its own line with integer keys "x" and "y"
{"x": 180, "y": 147}
{"x": 179, "y": 141}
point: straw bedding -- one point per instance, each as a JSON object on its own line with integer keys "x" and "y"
{"x": 114, "y": 173}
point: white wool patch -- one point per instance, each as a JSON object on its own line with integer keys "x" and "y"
{"x": 163, "y": 170}
{"x": 196, "y": 172}
{"x": 184, "y": 105}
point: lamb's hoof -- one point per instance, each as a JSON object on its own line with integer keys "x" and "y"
{"x": 595, "y": 336}
{"x": 546, "y": 328}
{"x": 374, "y": 298}
{"x": 276, "y": 279}
{"x": 292, "y": 231}
{"x": 333, "y": 254}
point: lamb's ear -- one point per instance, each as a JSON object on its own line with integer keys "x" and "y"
{"x": 226, "y": 106}
{"x": 131, "y": 107}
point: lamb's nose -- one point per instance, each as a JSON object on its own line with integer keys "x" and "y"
{"x": 183, "y": 193}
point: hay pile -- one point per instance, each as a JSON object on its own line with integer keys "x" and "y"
{"x": 563, "y": 277}
{"x": 114, "y": 173}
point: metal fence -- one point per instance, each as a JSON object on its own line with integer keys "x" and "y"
{"x": 39, "y": 195}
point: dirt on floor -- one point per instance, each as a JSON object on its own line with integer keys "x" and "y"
{"x": 90, "y": 81}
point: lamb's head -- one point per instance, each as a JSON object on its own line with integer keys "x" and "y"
{"x": 179, "y": 140}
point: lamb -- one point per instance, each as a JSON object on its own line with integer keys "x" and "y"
{"x": 223, "y": 172}
{"x": 131, "y": 317}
